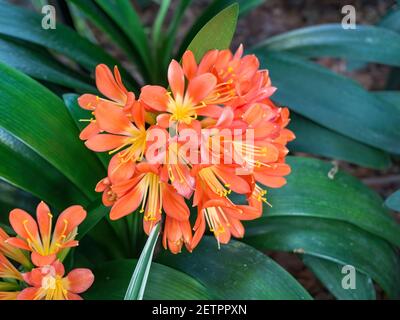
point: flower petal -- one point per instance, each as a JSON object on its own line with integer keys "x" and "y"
{"x": 91, "y": 130}
{"x": 44, "y": 220}
{"x": 127, "y": 204}
{"x": 68, "y": 220}
{"x": 23, "y": 224}
{"x": 119, "y": 170}
{"x": 29, "y": 294}
{"x": 107, "y": 85}
{"x": 189, "y": 64}
{"x": 40, "y": 261}
{"x": 112, "y": 119}
{"x": 88, "y": 101}
{"x": 19, "y": 243}
{"x": 201, "y": 86}
{"x": 269, "y": 181}
{"x": 176, "y": 79}
{"x": 105, "y": 142}
{"x": 73, "y": 296}
{"x": 79, "y": 280}
{"x": 155, "y": 97}
{"x": 173, "y": 203}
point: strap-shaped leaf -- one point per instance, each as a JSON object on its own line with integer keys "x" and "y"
{"x": 391, "y": 97}
{"x": 310, "y": 192}
{"x": 337, "y": 241}
{"x": 9, "y": 197}
{"x": 138, "y": 282}
{"x": 236, "y": 271}
{"x": 124, "y": 15}
{"x": 393, "y": 202}
{"x": 207, "y": 38}
{"x": 164, "y": 283}
{"x": 37, "y": 117}
{"x": 25, "y": 169}
{"x": 96, "y": 212}
{"x": 317, "y": 140}
{"x": 331, "y": 275}
{"x": 40, "y": 65}
{"x": 391, "y": 20}
{"x": 365, "y": 43}
{"x": 26, "y": 25}
{"x": 96, "y": 15}
{"x": 208, "y": 14}
{"x": 333, "y": 100}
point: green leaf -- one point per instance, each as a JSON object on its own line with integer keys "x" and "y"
{"x": 170, "y": 38}
{"x": 138, "y": 282}
{"x": 330, "y": 274}
{"x": 213, "y": 9}
{"x": 10, "y": 198}
{"x": 38, "y": 118}
{"x": 96, "y": 211}
{"x": 158, "y": 22}
{"x": 125, "y": 16}
{"x": 391, "y": 97}
{"x": 393, "y": 202}
{"x": 97, "y": 16}
{"x": 391, "y": 20}
{"x": 309, "y": 192}
{"x": 79, "y": 114}
{"x": 25, "y": 169}
{"x": 366, "y": 43}
{"x": 27, "y": 25}
{"x": 317, "y": 140}
{"x": 164, "y": 283}
{"x": 337, "y": 241}
{"x": 207, "y": 39}
{"x": 333, "y": 100}
{"x": 236, "y": 272}
{"x": 40, "y": 65}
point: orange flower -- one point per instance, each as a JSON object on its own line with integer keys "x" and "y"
{"x": 12, "y": 252}
{"x": 177, "y": 233}
{"x": 38, "y": 237}
{"x": 239, "y": 80}
{"x": 146, "y": 188}
{"x": 49, "y": 283}
{"x": 110, "y": 86}
{"x": 121, "y": 134}
{"x": 8, "y": 289}
{"x": 182, "y": 106}
{"x": 213, "y": 185}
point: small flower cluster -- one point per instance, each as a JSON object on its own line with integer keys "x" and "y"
{"x": 43, "y": 278}
{"x": 190, "y": 141}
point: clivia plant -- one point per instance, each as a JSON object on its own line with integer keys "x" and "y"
{"x": 172, "y": 180}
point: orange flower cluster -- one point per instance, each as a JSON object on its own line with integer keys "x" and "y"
{"x": 45, "y": 279}
{"x": 190, "y": 140}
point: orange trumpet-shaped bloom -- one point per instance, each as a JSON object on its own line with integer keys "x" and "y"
{"x": 181, "y": 105}
{"x": 110, "y": 86}
{"x": 121, "y": 136}
{"x": 177, "y": 233}
{"x": 11, "y": 251}
{"x": 147, "y": 191}
{"x": 49, "y": 283}
{"x": 8, "y": 289}
{"x": 7, "y": 269}
{"x": 38, "y": 236}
